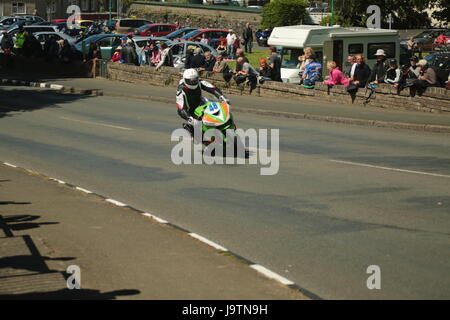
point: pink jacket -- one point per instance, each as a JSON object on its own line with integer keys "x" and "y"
{"x": 336, "y": 78}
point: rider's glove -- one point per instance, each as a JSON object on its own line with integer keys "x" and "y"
{"x": 224, "y": 99}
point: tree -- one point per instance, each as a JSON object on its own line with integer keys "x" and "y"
{"x": 443, "y": 11}
{"x": 284, "y": 13}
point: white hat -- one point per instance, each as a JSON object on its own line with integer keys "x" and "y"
{"x": 422, "y": 63}
{"x": 380, "y": 52}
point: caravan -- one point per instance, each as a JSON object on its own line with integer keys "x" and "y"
{"x": 330, "y": 44}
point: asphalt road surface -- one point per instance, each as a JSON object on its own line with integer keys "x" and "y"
{"x": 345, "y": 197}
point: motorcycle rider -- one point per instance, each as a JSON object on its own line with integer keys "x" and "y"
{"x": 189, "y": 97}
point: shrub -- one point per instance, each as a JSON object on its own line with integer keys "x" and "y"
{"x": 284, "y": 13}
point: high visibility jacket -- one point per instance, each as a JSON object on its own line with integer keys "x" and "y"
{"x": 20, "y": 39}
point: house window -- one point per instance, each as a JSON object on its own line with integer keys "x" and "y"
{"x": 18, "y": 8}
{"x": 355, "y": 48}
{"x": 85, "y": 5}
{"x": 388, "y": 47}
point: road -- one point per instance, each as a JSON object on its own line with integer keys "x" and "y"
{"x": 345, "y": 197}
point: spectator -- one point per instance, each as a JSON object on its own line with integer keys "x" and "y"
{"x": 393, "y": 75}
{"x": 240, "y": 53}
{"x": 379, "y": 71}
{"x": 265, "y": 71}
{"x": 116, "y": 55}
{"x": 222, "y": 48}
{"x": 204, "y": 39}
{"x": 248, "y": 38}
{"x": 336, "y": 75}
{"x": 361, "y": 75}
{"x": 198, "y": 60}
{"x": 412, "y": 46}
{"x": 414, "y": 68}
{"x": 231, "y": 39}
{"x": 222, "y": 67}
{"x": 67, "y": 53}
{"x": 166, "y": 56}
{"x": 350, "y": 66}
{"x": 447, "y": 83}
{"x": 93, "y": 52}
{"x": 178, "y": 25}
{"x": 275, "y": 64}
{"x": 246, "y": 74}
{"x": 51, "y": 49}
{"x": 313, "y": 73}
{"x": 304, "y": 60}
{"x": 208, "y": 63}
{"x": 7, "y": 43}
{"x": 427, "y": 78}
{"x": 20, "y": 40}
{"x": 189, "y": 57}
{"x": 155, "y": 57}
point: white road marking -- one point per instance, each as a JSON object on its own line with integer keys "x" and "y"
{"x": 96, "y": 123}
{"x": 9, "y": 164}
{"x": 42, "y": 85}
{"x": 391, "y": 169}
{"x": 208, "y": 242}
{"x": 83, "y": 190}
{"x": 56, "y": 86}
{"x": 117, "y": 203}
{"x": 271, "y": 274}
{"x": 155, "y": 218}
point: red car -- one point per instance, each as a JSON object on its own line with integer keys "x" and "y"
{"x": 154, "y": 30}
{"x": 217, "y": 35}
{"x": 442, "y": 42}
{"x": 59, "y": 20}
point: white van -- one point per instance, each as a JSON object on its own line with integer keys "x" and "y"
{"x": 330, "y": 44}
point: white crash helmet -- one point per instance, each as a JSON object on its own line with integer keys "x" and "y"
{"x": 191, "y": 78}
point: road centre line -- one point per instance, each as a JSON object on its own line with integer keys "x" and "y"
{"x": 391, "y": 169}
{"x": 96, "y": 123}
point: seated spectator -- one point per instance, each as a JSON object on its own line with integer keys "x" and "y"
{"x": 447, "y": 83}
{"x": 336, "y": 75}
{"x": 414, "y": 68}
{"x": 198, "y": 60}
{"x": 204, "y": 39}
{"x": 93, "y": 52}
{"x": 378, "y": 72}
{"x": 189, "y": 56}
{"x": 312, "y": 73}
{"x": 265, "y": 71}
{"x": 350, "y": 65}
{"x": 155, "y": 57}
{"x": 220, "y": 66}
{"x": 304, "y": 60}
{"x": 240, "y": 54}
{"x": 427, "y": 78}
{"x": 246, "y": 74}
{"x": 362, "y": 73}
{"x": 208, "y": 63}
{"x": 222, "y": 48}
{"x": 393, "y": 75}
{"x": 166, "y": 56}
{"x": 116, "y": 55}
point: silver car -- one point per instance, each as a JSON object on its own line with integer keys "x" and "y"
{"x": 44, "y": 36}
{"x": 179, "y": 50}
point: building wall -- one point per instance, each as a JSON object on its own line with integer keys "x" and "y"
{"x": 7, "y": 6}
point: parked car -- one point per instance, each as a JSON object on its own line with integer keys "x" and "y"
{"x": 442, "y": 42}
{"x": 179, "y": 33}
{"x": 128, "y": 25}
{"x": 107, "y": 42}
{"x": 141, "y": 41}
{"x": 31, "y": 29}
{"x": 425, "y": 39}
{"x": 33, "y": 18}
{"x": 154, "y": 30}
{"x": 179, "y": 48}
{"x": 6, "y": 22}
{"x": 214, "y": 36}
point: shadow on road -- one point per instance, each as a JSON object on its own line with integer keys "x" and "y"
{"x": 66, "y": 294}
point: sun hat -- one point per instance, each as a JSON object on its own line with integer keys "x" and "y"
{"x": 380, "y": 52}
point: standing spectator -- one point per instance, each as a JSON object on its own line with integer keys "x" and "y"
{"x": 379, "y": 70}
{"x": 393, "y": 75}
{"x": 155, "y": 57}
{"x": 7, "y": 43}
{"x": 166, "y": 56}
{"x": 231, "y": 38}
{"x": 208, "y": 63}
{"x": 265, "y": 72}
{"x": 178, "y": 25}
{"x": 189, "y": 56}
{"x": 67, "y": 53}
{"x": 248, "y": 38}
{"x": 350, "y": 66}
{"x": 412, "y": 46}
{"x": 204, "y": 39}
{"x": 427, "y": 78}
{"x": 275, "y": 64}
{"x": 93, "y": 52}
{"x": 336, "y": 75}
{"x": 198, "y": 60}
{"x": 362, "y": 72}
{"x": 20, "y": 40}
{"x": 313, "y": 73}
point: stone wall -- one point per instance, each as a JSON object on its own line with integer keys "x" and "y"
{"x": 199, "y": 18}
{"x": 436, "y": 100}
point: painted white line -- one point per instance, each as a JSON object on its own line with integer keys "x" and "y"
{"x": 208, "y": 242}
{"x": 42, "y": 85}
{"x": 155, "y": 218}
{"x": 9, "y": 164}
{"x": 391, "y": 169}
{"x": 117, "y": 203}
{"x": 96, "y": 123}
{"x": 83, "y": 190}
{"x": 271, "y": 274}
{"x": 57, "y": 180}
{"x": 56, "y": 86}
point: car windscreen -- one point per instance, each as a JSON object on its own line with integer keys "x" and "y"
{"x": 191, "y": 34}
{"x": 88, "y": 40}
{"x": 143, "y": 28}
{"x": 178, "y": 32}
